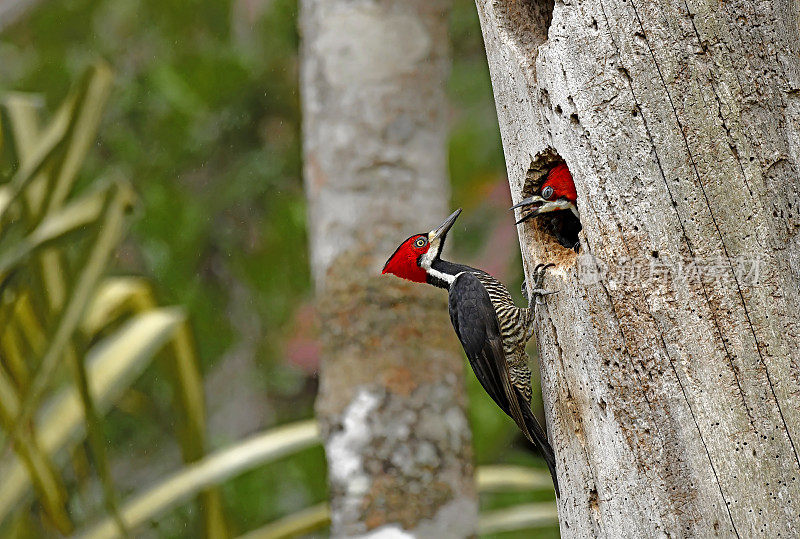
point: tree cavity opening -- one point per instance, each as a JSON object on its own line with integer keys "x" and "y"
{"x": 551, "y": 213}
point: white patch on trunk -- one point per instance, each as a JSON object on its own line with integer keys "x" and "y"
{"x": 390, "y": 531}
{"x": 346, "y": 447}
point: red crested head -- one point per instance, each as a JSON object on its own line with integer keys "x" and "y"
{"x": 559, "y": 184}
{"x": 415, "y": 258}
{"x": 405, "y": 262}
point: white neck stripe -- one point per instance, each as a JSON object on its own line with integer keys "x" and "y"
{"x": 446, "y": 277}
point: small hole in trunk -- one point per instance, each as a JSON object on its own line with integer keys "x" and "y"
{"x": 527, "y": 21}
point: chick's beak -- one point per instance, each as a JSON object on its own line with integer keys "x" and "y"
{"x": 442, "y": 229}
{"x": 536, "y": 202}
{"x": 530, "y": 201}
{"x": 541, "y": 205}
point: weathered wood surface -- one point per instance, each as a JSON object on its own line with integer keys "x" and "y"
{"x": 392, "y": 400}
{"x": 672, "y": 396}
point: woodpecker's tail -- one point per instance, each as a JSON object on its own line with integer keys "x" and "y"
{"x": 538, "y": 437}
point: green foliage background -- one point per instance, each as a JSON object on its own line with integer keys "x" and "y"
{"x": 204, "y": 120}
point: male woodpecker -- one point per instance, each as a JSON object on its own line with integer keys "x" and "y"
{"x": 492, "y": 330}
{"x": 556, "y": 202}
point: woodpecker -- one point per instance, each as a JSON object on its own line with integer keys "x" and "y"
{"x": 491, "y": 328}
{"x": 556, "y": 204}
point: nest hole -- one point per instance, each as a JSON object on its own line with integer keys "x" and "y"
{"x": 559, "y": 227}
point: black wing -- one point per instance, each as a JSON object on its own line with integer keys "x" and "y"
{"x": 475, "y": 321}
{"x": 476, "y": 325}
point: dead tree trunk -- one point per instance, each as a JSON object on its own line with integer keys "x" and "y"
{"x": 392, "y": 401}
{"x": 670, "y": 357}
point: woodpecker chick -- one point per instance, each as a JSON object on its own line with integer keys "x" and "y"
{"x": 556, "y": 202}
{"x": 557, "y": 193}
{"x": 491, "y": 328}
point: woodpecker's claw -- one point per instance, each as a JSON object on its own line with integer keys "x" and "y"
{"x": 538, "y": 274}
{"x": 538, "y": 280}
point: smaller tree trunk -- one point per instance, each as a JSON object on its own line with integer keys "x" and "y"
{"x": 392, "y": 401}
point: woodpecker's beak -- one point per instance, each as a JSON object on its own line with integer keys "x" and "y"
{"x": 441, "y": 230}
{"x": 542, "y": 205}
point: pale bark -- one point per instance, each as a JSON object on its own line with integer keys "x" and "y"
{"x": 672, "y": 400}
{"x": 392, "y": 401}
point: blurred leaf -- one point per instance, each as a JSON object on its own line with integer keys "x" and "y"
{"x": 299, "y": 523}
{"x": 40, "y": 470}
{"x": 38, "y": 157}
{"x": 92, "y": 94}
{"x": 81, "y": 127}
{"x": 523, "y": 516}
{"x": 503, "y": 478}
{"x": 23, "y": 110}
{"x": 75, "y": 216}
{"x": 12, "y": 353}
{"x": 115, "y": 296}
{"x": 62, "y": 144}
{"x": 213, "y": 469}
{"x": 112, "y": 364}
{"x": 121, "y": 294}
{"x": 29, "y": 325}
{"x": 52, "y": 303}
{"x": 108, "y": 235}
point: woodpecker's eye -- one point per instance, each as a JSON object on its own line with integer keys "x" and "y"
{"x": 420, "y": 242}
{"x": 547, "y": 192}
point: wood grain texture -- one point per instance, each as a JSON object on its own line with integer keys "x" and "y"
{"x": 670, "y": 367}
